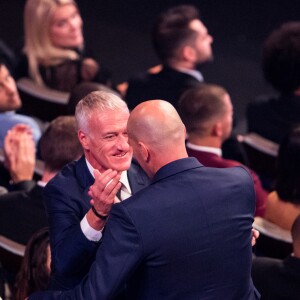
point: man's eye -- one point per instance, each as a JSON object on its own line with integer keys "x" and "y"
{"x": 109, "y": 137}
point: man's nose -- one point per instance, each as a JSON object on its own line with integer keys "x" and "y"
{"x": 122, "y": 143}
{"x": 9, "y": 88}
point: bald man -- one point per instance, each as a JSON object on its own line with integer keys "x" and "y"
{"x": 186, "y": 236}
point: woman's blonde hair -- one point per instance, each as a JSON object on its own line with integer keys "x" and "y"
{"x": 38, "y": 46}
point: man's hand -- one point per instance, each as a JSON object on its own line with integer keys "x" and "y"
{"x": 19, "y": 151}
{"x": 255, "y": 236}
{"x": 103, "y": 193}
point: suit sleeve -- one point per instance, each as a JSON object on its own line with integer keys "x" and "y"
{"x": 117, "y": 258}
{"x": 72, "y": 253}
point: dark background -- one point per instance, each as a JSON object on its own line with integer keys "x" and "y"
{"x": 118, "y": 32}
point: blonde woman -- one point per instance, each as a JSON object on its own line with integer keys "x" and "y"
{"x": 54, "y": 53}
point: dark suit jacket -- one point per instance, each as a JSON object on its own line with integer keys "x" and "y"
{"x": 67, "y": 202}
{"x": 273, "y": 118}
{"x": 186, "y": 236}
{"x": 213, "y": 160}
{"x": 21, "y": 214}
{"x": 277, "y": 279}
{"x": 167, "y": 85}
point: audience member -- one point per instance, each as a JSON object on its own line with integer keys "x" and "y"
{"x": 182, "y": 43}
{"x": 19, "y": 158}
{"x": 22, "y": 213}
{"x": 274, "y": 117}
{"x": 34, "y": 274}
{"x": 206, "y": 111}
{"x": 142, "y": 249}
{"x": 9, "y": 103}
{"x": 283, "y": 204}
{"x": 81, "y": 90}
{"x": 75, "y": 225}
{"x": 54, "y": 53}
{"x": 279, "y": 279}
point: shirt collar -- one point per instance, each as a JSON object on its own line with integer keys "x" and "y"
{"x": 123, "y": 179}
{"x": 41, "y": 183}
{"x": 214, "y": 150}
{"x": 194, "y": 73}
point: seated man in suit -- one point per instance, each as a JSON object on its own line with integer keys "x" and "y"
{"x": 9, "y": 103}
{"x": 75, "y": 232}
{"x": 207, "y": 257}
{"x": 23, "y": 212}
{"x": 182, "y": 43}
{"x": 207, "y": 111}
{"x": 277, "y": 279}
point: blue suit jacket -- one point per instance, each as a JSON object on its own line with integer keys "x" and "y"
{"x": 67, "y": 202}
{"x": 186, "y": 236}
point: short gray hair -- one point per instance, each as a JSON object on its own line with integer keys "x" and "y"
{"x": 98, "y": 101}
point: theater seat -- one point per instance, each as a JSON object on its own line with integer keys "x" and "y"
{"x": 261, "y": 157}
{"x": 41, "y": 102}
{"x": 273, "y": 241}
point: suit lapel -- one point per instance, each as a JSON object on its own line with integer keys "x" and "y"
{"x": 85, "y": 178}
{"x": 137, "y": 177}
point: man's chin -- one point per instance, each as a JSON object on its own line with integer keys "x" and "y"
{"x": 121, "y": 166}
{"x": 15, "y": 105}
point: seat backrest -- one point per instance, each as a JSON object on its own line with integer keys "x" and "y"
{"x": 273, "y": 241}
{"x": 41, "y": 102}
{"x": 261, "y": 156}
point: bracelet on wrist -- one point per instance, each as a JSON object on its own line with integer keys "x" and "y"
{"x": 98, "y": 215}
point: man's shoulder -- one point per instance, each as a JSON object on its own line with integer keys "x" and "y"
{"x": 68, "y": 177}
{"x": 166, "y": 76}
{"x": 14, "y": 118}
{"x": 18, "y": 199}
{"x": 210, "y": 159}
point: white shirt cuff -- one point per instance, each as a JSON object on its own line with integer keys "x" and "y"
{"x": 90, "y": 233}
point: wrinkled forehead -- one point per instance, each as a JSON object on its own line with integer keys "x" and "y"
{"x": 109, "y": 117}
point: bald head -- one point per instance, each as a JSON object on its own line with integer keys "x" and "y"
{"x": 155, "y": 129}
{"x": 156, "y": 122}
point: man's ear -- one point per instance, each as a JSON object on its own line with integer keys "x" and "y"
{"x": 188, "y": 53}
{"x": 83, "y": 139}
{"x": 144, "y": 151}
{"x": 217, "y": 129}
